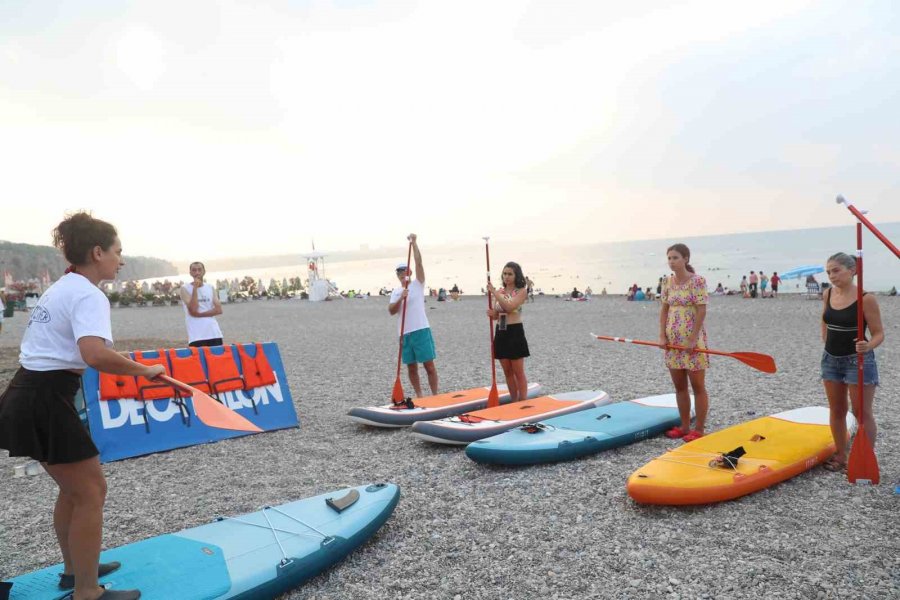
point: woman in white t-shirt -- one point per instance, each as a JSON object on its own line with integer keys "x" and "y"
{"x": 70, "y": 330}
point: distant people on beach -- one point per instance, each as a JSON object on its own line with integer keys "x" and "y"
{"x": 720, "y": 290}
{"x": 529, "y": 284}
{"x": 812, "y": 287}
{"x": 575, "y": 293}
{"x": 775, "y": 281}
{"x": 681, "y": 320}
{"x": 839, "y": 359}
{"x": 201, "y": 305}
{"x": 763, "y": 284}
{"x": 510, "y": 344}
{"x": 639, "y": 295}
{"x": 603, "y": 291}
{"x": 454, "y": 292}
{"x": 893, "y": 291}
{"x": 745, "y": 288}
{"x": 70, "y": 330}
{"x": 418, "y": 343}
{"x": 648, "y": 294}
{"x": 659, "y": 285}
{"x": 754, "y": 284}
{"x": 588, "y": 292}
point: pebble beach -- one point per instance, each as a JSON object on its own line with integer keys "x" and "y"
{"x": 468, "y": 531}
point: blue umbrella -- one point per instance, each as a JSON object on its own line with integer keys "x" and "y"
{"x": 802, "y": 272}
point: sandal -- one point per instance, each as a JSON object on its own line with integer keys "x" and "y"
{"x": 692, "y": 435}
{"x": 675, "y": 433}
{"x": 834, "y": 465}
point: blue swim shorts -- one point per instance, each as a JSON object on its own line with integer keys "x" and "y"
{"x": 418, "y": 347}
{"x": 843, "y": 368}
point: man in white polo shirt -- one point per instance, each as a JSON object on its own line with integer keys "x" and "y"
{"x": 201, "y": 305}
{"x": 418, "y": 345}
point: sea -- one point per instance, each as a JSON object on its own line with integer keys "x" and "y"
{"x": 556, "y": 267}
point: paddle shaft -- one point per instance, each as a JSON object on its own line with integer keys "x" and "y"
{"x": 862, "y": 464}
{"x": 863, "y": 220}
{"x": 403, "y": 310}
{"x": 487, "y": 259}
{"x": 174, "y": 382}
{"x": 663, "y": 346}
{"x": 860, "y": 321}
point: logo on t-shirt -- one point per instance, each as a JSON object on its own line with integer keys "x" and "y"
{"x": 40, "y": 315}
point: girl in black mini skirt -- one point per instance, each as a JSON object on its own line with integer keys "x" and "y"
{"x": 510, "y": 345}
{"x": 70, "y": 330}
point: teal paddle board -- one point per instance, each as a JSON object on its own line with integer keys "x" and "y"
{"x": 257, "y": 555}
{"x": 579, "y": 434}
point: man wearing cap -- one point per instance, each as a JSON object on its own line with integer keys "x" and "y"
{"x": 418, "y": 345}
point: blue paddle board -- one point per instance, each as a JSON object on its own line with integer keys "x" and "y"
{"x": 579, "y": 434}
{"x": 257, "y": 555}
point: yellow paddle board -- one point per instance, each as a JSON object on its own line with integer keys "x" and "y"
{"x": 776, "y": 448}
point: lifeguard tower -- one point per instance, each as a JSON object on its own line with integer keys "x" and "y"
{"x": 319, "y": 287}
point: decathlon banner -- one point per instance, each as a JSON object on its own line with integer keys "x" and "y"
{"x": 129, "y": 426}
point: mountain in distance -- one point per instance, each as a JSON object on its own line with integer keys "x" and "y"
{"x": 28, "y": 261}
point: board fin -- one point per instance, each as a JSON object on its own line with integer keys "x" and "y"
{"x": 343, "y": 503}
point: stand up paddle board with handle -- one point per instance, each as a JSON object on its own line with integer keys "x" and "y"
{"x": 763, "y": 452}
{"x": 579, "y": 434}
{"x": 429, "y": 408}
{"x": 258, "y": 555}
{"x": 469, "y": 427}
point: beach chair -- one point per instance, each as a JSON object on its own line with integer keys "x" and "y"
{"x": 813, "y": 291}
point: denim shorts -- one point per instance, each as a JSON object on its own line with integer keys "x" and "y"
{"x": 843, "y": 368}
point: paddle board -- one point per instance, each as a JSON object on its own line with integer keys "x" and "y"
{"x": 429, "y": 408}
{"x": 579, "y": 434}
{"x": 776, "y": 448}
{"x": 479, "y": 424}
{"x": 239, "y": 557}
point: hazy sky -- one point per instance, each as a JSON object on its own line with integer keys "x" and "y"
{"x": 206, "y": 129}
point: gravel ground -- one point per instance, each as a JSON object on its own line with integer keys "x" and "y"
{"x": 463, "y": 530}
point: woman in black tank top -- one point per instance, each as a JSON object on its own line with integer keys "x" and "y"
{"x": 839, "y": 360}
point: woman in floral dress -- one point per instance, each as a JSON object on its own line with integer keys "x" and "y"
{"x": 684, "y": 298}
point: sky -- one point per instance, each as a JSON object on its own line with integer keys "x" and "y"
{"x": 210, "y": 129}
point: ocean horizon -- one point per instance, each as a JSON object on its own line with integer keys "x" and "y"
{"x": 557, "y": 268}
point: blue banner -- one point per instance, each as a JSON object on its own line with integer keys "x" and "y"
{"x": 129, "y": 427}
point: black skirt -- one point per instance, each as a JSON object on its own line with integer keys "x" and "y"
{"x": 38, "y": 418}
{"x": 510, "y": 343}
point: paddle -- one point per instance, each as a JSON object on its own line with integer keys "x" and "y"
{"x": 397, "y": 395}
{"x": 859, "y": 215}
{"x": 760, "y": 362}
{"x": 493, "y": 395}
{"x": 862, "y": 465}
{"x": 212, "y": 413}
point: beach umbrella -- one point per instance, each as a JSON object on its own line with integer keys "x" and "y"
{"x": 805, "y": 271}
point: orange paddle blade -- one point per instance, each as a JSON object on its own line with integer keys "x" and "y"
{"x": 397, "y": 394}
{"x": 493, "y": 396}
{"x": 862, "y": 466}
{"x": 212, "y": 413}
{"x": 760, "y": 362}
